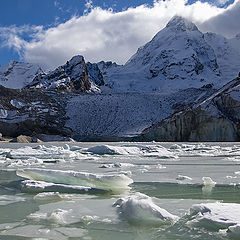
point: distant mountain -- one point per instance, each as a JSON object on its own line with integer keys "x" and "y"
{"x": 17, "y": 75}
{"x": 75, "y": 75}
{"x": 178, "y": 57}
{"x": 228, "y": 54}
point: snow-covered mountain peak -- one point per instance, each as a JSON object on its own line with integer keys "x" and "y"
{"x": 75, "y": 75}
{"x": 18, "y": 74}
{"x": 178, "y": 23}
{"x": 178, "y": 57}
{"x": 78, "y": 59}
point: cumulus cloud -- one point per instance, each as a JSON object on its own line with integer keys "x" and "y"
{"x": 107, "y": 35}
{"x": 226, "y": 23}
{"x": 13, "y": 37}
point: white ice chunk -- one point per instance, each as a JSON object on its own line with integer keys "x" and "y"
{"x": 117, "y": 165}
{"x": 114, "y": 182}
{"x": 43, "y": 152}
{"x": 113, "y": 150}
{"x": 182, "y": 178}
{"x": 50, "y": 197}
{"x": 139, "y": 208}
{"x": 208, "y": 185}
{"x": 215, "y": 216}
{"x": 58, "y": 216}
{"x": 148, "y": 151}
{"x": 40, "y": 186}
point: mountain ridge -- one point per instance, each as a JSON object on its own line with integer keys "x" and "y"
{"x": 179, "y": 68}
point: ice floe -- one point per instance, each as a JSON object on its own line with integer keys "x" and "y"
{"x": 113, "y": 182}
{"x": 50, "y": 197}
{"x": 215, "y": 216}
{"x": 139, "y": 208}
{"x": 182, "y": 178}
{"x": 208, "y": 185}
{"x": 37, "y": 155}
{"x": 203, "y": 150}
{"x": 42, "y": 152}
{"x": 117, "y": 165}
{"x": 57, "y": 216}
{"x": 41, "y": 186}
{"x": 148, "y": 151}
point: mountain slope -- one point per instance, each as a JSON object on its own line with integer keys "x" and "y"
{"x": 75, "y": 75}
{"x": 72, "y": 76}
{"x": 227, "y": 52}
{"x": 214, "y": 119}
{"x": 178, "y": 57}
{"x": 17, "y": 75}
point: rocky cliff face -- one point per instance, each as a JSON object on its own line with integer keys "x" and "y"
{"x": 73, "y": 76}
{"x": 215, "y": 119}
{"x": 30, "y": 112}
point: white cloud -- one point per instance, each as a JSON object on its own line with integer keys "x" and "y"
{"x": 226, "y": 23}
{"x": 106, "y": 35}
{"x": 12, "y": 37}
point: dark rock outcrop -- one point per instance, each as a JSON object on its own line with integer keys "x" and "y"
{"x": 95, "y": 74}
{"x": 214, "y": 119}
{"x": 32, "y": 111}
{"x": 73, "y": 76}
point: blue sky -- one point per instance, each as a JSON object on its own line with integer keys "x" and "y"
{"x": 49, "y": 14}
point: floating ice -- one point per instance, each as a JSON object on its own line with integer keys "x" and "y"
{"x": 114, "y": 182}
{"x": 182, "y": 177}
{"x": 41, "y": 186}
{"x": 32, "y": 156}
{"x": 208, "y": 185}
{"x": 113, "y": 150}
{"x": 148, "y": 151}
{"x": 57, "y": 216}
{"x": 88, "y": 219}
{"x": 117, "y": 165}
{"x": 50, "y": 197}
{"x": 139, "y": 208}
{"x": 215, "y": 216}
{"x": 32, "y": 161}
{"x": 41, "y": 152}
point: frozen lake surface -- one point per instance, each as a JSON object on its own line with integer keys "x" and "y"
{"x": 104, "y": 191}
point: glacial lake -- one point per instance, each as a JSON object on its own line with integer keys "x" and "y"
{"x": 134, "y": 191}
